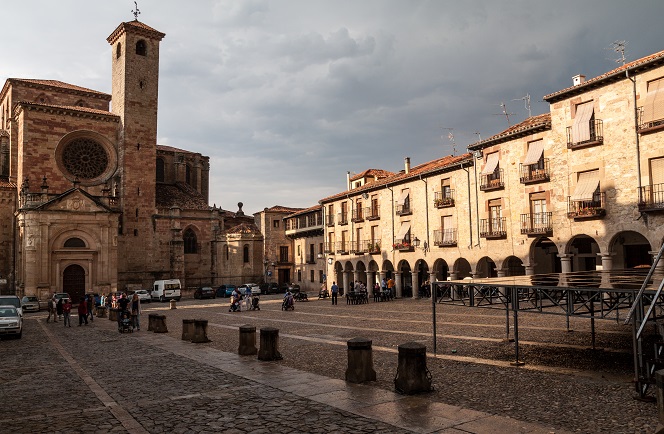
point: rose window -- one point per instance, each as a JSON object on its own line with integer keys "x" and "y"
{"x": 85, "y": 158}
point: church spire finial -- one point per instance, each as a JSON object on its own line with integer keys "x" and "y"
{"x": 136, "y": 12}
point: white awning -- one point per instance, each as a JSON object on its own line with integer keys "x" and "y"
{"x": 581, "y": 127}
{"x": 403, "y": 231}
{"x": 491, "y": 164}
{"x": 657, "y": 171}
{"x": 403, "y": 197}
{"x": 653, "y": 106}
{"x": 534, "y": 152}
{"x": 586, "y": 185}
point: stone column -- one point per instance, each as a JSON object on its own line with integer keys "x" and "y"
{"x": 370, "y": 283}
{"x": 454, "y": 275}
{"x": 432, "y": 280}
{"x": 565, "y": 262}
{"x": 530, "y": 269}
{"x": 397, "y": 285}
{"x": 660, "y": 265}
{"x": 500, "y": 273}
{"x": 412, "y": 373}
{"x": 247, "y": 345}
{"x": 345, "y": 282}
{"x": 607, "y": 261}
{"x": 383, "y": 275}
{"x": 360, "y": 361}
{"x": 356, "y": 277}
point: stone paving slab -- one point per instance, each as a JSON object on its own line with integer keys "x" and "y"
{"x": 93, "y": 379}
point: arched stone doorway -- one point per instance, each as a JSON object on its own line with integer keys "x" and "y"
{"x": 441, "y": 270}
{"x": 628, "y": 249}
{"x": 73, "y": 282}
{"x": 361, "y": 273}
{"x": 584, "y": 250}
{"x": 422, "y": 270}
{"x": 513, "y": 266}
{"x": 461, "y": 269}
{"x": 544, "y": 257}
{"x": 406, "y": 279}
{"x": 485, "y": 268}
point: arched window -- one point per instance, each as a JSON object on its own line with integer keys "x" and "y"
{"x": 187, "y": 174}
{"x": 160, "y": 170}
{"x": 190, "y": 244}
{"x": 245, "y": 252}
{"x": 141, "y": 48}
{"x": 74, "y": 242}
{"x": 118, "y": 50}
{"x": 226, "y": 251}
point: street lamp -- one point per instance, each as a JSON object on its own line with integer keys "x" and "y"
{"x": 416, "y": 244}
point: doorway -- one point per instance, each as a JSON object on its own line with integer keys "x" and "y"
{"x": 73, "y": 282}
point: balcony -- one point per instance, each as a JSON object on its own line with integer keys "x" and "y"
{"x": 443, "y": 199}
{"x": 372, "y": 213}
{"x": 329, "y": 220}
{"x": 342, "y": 218}
{"x": 651, "y": 198}
{"x": 493, "y": 181}
{"x": 373, "y": 247}
{"x": 493, "y": 229}
{"x": 328, "y": 248}
{"x": 534, "y": 173}
{"x": 359, "y": 247}
{"x": 342, "y": 247}
{"x": 403, "y": 245}
{"x": 404, "y": 209}
{"x": 587, "y": 209}
{"x": 303, "y": 227}
{"x": 649, "y": 126}
{"x": 357, "y": 215}
{"x": 536, "y": 224}
{"x": 596, "y": 136}
{"x": 445, "y": 237}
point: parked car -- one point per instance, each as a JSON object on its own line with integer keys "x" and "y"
{"x": 30, "y": 303}
{"x": 143, "y": 295}
{"x": 293, "y": 288}
{"x": 255, "y": 289}
{"x": 63, "y": 295}
{"x": 225, "y": 290}
{"x": 269, "y": 288}
{"x": 205, "y": 292}
{"x": 11, "y": 322}
{"x": 12, "y": 300}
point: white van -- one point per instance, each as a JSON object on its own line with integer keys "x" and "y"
{"x": 163, "y": 290}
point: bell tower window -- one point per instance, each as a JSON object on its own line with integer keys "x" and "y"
{"x": 141, "y": 48}
{"x": 118, "y": 50}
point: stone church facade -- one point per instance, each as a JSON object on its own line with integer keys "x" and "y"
{"x": 90, "y": 203}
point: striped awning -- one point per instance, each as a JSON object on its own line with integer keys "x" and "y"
{"x": 581, "y": 126}
{"x": 402, "y": 198}
{"x": 535, "y": 150}
{"x": 653, "y": 106}
{"x": 491, "y": 164}
{"x": 586, "y": 185}
{"x": 403, "y": 231}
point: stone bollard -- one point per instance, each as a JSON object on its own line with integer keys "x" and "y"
{"x": 101, "y": 311}
{"x": 360, "y": 361}
{"x": 187, "y": 329}
{"x": 247, "y": 341}
{"x": 200, "y": 332}
{"x": 113, "y": 314}
{"x": 151, "y": 321}
{"x": 412, "y": 373}
{"x": 659, "y": 379}
{"x": 269, "y": 344}
{"x": 159, "y": 324}
{"x": 172, "y": 303}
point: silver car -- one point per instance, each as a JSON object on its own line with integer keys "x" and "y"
{"x": 143, "y": 295}
{"x": 11, "y": 323}
{"x": 30, "y": 303}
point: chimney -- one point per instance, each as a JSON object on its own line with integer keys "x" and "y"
{"x": 348, "y": 180}
{"x": 407, "y": 164}
{"x": 578, "y": 79}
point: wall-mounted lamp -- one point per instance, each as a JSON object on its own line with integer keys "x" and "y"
{"x": 416, "y": 244}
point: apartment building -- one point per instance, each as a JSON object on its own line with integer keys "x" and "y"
{"x": 578, "y": 188}
{"x": 278, "y": 259}
{"x": 305, "y": 229}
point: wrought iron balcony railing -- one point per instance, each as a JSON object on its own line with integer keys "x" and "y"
{"x": 493, "y": 228}
{"x": 358, "y": 215}
{"x": 532, "y": 173}
{"x": 536, "y": 223}
{"x": 372, "y": 213}
{"x": 403, "y": 245}
{"x": 404, "y": 209}
{"x": 343, "y": 247}
{"x": 443, "y": 199}
{"x": 651, "y": 198}
{"x": 587, "y": 209}
{"x": 328, "y": 247}
{"x": 596, "y": 136}
{"x": 445, "y": 237}
{"x": 342, "y": 218}
{"x": 359, "y": 247}
{"x": 373, "y": 247}
{"x": 649, "y": 125}
{"x": 492, "y": 181}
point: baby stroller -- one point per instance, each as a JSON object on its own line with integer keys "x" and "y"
{"x": 235, "y": 304}
{"x": 254, "y": 303}
{"x": 124, "y": 322}
{"x": 288, "y": 302}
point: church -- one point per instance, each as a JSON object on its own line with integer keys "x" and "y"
{"x": 90, "y": 203}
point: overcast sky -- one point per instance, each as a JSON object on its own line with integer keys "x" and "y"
{"x": 286, "y": 96}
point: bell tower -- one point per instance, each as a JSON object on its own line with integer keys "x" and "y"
{"x": 135, "y": 89}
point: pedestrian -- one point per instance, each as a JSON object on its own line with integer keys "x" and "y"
{"x": 390, "y": 288}
{"x": 89, "y": 301}
{"x": 335, "y": 291}
{"x": 66, "y": 311}
{"x": 247, "y": 298}
{"x": 376, "y": 288}
{"x": 82, "y": 312}
{"x": 51, "y": 309}
{"x": 135, "y": 311}
{"x": 58, "y": 308}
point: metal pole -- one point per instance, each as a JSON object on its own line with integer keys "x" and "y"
{"x": 592, "y": 321}
{"x": 507, "y": 321}
{"x": 515, "y": 308}
{"x": 433, "y": 313}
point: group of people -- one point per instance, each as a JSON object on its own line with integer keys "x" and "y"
{"x": 237, "y": 298}
{"x": 60, "y": 308}
{"x": 385, "y": 287}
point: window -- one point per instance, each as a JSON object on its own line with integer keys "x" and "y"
{"x": 275, "y": 223}
{"x": 657, "y": 173}
{"x": 160, "y": 170}
{"x": 321, "y": 279}
{"x": 312, "y": 276}
{"x": 653, "y": 107}
{"x": 320, "y": 248}
{"x": 226, "y": 252}
{"x": 283, "y": 254}
{"x": 299, "y": 275}
{"x": 492, "y": 166}
{"x": 495, "y": 215}
{"x": 581, "y": 129}
{"x": 299, "y": 251}
{"x": 118, "y": 51}
{"x": 74, "y": 242}
{"x": 403, "y": 202}
{"x": 587, "y": 186}
{"x": 539, "y": 218}
{"x": 245, "y": 254}
{"x": 141, "y": 48}
{"x": 448, "y": 229}
{"x": 446, "y": 189}
{"x": 190, "y": 242}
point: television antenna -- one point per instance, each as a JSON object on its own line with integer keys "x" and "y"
{"x": 619, "y": 47}
{"x": 526, "y": 101}
{"x": 504, "y": 113}
{"x": 450, "y": 136}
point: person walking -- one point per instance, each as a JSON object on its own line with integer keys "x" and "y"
{"x": 51, "y": 310}
{"x": 247, "y": 298}
{"x": 390, "y": 288}
{"x": 135, "y": 311}
{"x": 66, "y": 311}
{"x": 90, "y": 302}
{"x": 335, "y": 292}
{"x": 58, "y": 308}
{"x": 82, "y": 312}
